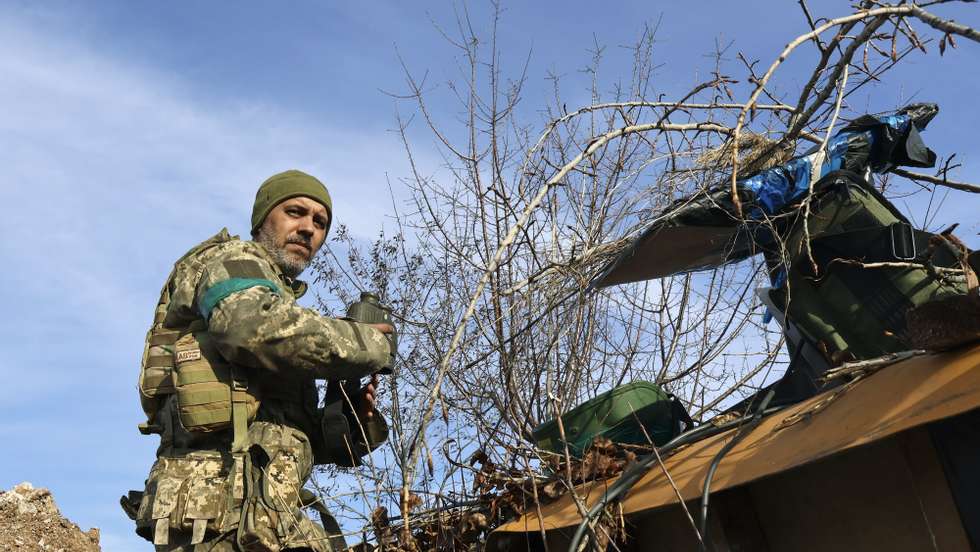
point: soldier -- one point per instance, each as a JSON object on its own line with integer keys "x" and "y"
{"x": 228, "y": 382}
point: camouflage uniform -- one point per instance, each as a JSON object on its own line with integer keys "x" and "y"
{"x": 197, "y": 496}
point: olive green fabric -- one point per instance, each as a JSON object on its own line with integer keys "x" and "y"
{"x": 850, "y": 311}
{"x": 633, "y": 413}
{"x": 207, "y": 389}
{"x": 286, "y": 185}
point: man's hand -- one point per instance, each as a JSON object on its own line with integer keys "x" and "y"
{"x": 383, "y": 328}
{"x": 365, "y": 410}
{"x": 389, "y": 332}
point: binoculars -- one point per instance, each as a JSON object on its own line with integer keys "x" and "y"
{"x": 369, "y": 310}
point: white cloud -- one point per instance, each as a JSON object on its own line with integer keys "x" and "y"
{"x": 109, "y": 169}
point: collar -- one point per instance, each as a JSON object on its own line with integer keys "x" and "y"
{"x": 299, "y": 287}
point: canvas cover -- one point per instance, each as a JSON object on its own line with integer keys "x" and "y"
{"x": 703, "y": 231}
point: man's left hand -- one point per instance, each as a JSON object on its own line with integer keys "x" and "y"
{"x": 365, "y": 410}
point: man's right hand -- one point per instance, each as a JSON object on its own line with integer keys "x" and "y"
{"x": 389, "y": 331}
{"x": 383, "y": 328}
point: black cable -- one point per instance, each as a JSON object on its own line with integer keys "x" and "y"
{"x": 739, "y": 435}
{"x": 635, "y": 472}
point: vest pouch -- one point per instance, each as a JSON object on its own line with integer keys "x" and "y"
{"x": 205, "y": 387}
{"x": 272, "y": 516}
{"x": 189, "y": 495}
{"x": 156, "y": 370}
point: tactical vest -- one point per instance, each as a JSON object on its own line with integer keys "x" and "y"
{"x": 212, "y": 394}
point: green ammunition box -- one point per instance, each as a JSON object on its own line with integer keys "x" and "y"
{"x": 626, "y": 414}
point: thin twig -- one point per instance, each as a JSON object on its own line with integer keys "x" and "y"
{"x": 962, "y": 186}
{"x": 761, "y": 84}
{"x": 817, "y": 169}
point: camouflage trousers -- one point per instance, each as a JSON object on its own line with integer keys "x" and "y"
{"x": 249, "y": 502}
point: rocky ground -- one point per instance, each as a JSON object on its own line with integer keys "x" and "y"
{"x": 30, "y": 521}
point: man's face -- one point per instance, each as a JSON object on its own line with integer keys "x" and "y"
{"x": 293, "y": 232}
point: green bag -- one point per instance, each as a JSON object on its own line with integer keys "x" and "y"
{"x": 848, "y": 311}
{"x": 625, "y": 414}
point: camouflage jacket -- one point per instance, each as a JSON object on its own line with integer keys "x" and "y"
{"x": 251, "y": 315}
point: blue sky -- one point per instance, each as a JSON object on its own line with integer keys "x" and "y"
{"x": 130, "y": 131}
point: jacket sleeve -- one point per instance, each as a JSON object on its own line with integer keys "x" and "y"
{"x": 255, "y": 323}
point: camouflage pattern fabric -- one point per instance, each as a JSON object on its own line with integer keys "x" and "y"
{"x": 265, "y": 329}
{"x": 201, "y": 496}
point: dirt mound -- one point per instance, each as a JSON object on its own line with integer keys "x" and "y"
{"x": 30, "y": 520}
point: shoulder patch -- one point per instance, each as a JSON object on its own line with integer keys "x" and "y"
{"x": 188, "y": 355}
{"x": 243, "y": 268}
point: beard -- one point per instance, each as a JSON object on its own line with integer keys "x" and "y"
{"x": 291, "y": 264}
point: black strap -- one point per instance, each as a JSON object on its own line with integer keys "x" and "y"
{"x": 898, "y": 242}
{"x": 334, "y": 427}
{"x": 330, "y": 525}
{"x": 680, "y": 416}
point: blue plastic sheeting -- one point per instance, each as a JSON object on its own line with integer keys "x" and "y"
{"x": 777, "y": 187}
{"x": 897, "y": 122}
{"x": 774, "y": 188}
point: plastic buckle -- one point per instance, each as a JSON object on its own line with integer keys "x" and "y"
{"x": 903, "y": 243}
{"x": 239, "y": 382}
{"x": 149, "y": 429}
{"x": 239, "y": 389}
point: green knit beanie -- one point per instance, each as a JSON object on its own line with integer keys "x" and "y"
{"x": 286, "y": 185}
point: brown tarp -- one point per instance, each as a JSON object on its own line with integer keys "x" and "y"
{"x": 906, "y": 394}
{"x": 669, "y": 250}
